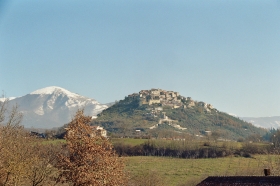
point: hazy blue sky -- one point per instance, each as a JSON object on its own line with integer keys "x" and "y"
{"x": 221, "y": 52}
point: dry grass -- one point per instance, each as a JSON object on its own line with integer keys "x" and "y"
{"x": 175, "y": 171}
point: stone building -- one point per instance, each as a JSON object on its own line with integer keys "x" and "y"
{"x": 99, "y": 130}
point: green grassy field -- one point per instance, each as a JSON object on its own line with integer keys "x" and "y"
{"x": 128, "y": 141}
{"x": 175, "y": 171}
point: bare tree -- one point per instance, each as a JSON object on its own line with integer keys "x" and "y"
{"x": 24, "y": 160}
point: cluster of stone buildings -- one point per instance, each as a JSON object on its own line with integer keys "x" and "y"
{"x": 159, "y": 96}
{"x": 167, "y": 98}
{"x": 164, "y": 119}
{"x": 153, "y": 96}
{"x": 154, "y": 112}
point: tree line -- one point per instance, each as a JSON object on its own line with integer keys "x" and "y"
{"x": 182, "y": 149}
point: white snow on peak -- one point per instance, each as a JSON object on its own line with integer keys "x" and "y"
{"x": 54, "y": 89}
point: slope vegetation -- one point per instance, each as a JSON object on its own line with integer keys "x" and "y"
{"x": 161, "y": 113}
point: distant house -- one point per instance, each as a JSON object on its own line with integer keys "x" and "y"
{"x": 100, "y": 130}
{"x": 138, "y": 132}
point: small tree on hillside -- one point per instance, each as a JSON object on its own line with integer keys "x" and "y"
{"x": 89, "y": 158}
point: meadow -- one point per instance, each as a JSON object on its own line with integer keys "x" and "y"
{"x": 171, "y": 171}
{"x": 181, "y": 172}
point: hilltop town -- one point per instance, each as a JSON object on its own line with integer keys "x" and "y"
{"x": 164, "y": 98}
{"x": 167, "y": 98}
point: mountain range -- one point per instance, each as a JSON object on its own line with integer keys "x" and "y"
{"x": 53, "y": 106}
{"x": 265, "y": 122}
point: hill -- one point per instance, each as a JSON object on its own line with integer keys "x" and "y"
{"x": 163, "y": 113}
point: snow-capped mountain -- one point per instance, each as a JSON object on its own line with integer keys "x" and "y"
{"x": 53, "y": 107}
{"x": 264, "y": 122}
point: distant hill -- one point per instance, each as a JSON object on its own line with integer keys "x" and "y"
{"x": 157, "y": 111}
{"x": 265, "y": 122}
{"x": 53, "y": 107}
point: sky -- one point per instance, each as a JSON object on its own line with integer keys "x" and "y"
{"x": 225, "y": 53}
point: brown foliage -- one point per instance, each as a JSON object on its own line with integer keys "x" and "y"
{"x": 89, "y": 158}
{"x": 23, "y": 159}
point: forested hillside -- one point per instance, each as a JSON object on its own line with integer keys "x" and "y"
{"x": 170, "y": 119}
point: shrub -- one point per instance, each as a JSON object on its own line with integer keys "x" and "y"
{"x": 89, "y": 158}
